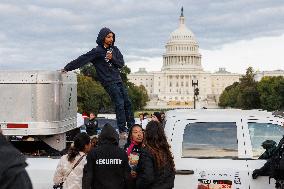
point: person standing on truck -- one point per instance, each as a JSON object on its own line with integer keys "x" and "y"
{"x": 108, "y": 61}
{"x": 12, "y": 167}
{"x": 69, "y": 171}
{"x": 156, "y": 168}
{"x": 92, "y": 125}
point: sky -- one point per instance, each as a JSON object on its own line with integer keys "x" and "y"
{"x": 235, "y": 34}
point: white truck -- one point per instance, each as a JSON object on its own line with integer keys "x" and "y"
{"x": 216, "y": 149}
{"x": 212, "y": 149}
{"x": 38, "y": 105}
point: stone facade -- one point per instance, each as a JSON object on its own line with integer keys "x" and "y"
{"x": 262, "y": 74}
{"x": 172, "y": 86}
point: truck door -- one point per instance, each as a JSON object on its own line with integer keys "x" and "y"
{"x": 207, "y": 154}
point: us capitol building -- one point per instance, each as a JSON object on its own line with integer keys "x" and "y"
{"x": 172, "y": 86}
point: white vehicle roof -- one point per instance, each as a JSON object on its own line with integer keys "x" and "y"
{"x": 226, "y": 114}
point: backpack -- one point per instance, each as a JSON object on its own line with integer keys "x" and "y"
{"x": 277, "y": 162}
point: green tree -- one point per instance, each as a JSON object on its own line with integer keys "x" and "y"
{"x": 138, "y": 96}
{"x": 91, "y": 95}
{"x": 248, "y": 97}
{"x": 123, "y": 73}
{"x": 243, "y": 94}
{"x": 271, "y": 90}
{"x": 229, "y": 96}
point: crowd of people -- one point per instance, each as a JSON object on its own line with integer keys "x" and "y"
{"x": 144, "y": 118}
{"x": 145, "y": 162}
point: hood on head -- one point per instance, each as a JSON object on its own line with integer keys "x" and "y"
{"x": 108, "y": 135}
{"x": 102, "y": 34}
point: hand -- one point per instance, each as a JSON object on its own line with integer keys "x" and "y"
{"x": 109, "y": 55}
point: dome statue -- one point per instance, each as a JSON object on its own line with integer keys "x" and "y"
{"x": 182, "y": 50}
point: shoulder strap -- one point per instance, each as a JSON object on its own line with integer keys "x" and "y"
{"x": 75, "y": 165}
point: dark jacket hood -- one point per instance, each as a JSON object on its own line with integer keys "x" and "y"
{"x": 102, "y": 34}
{"x": 108, "y": 135}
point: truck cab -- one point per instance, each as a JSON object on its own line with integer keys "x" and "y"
{"x": 220, "y": 148}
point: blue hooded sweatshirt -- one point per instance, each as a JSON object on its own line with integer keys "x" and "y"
{"x": 108, "y": 72}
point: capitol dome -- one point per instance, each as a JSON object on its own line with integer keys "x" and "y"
{"x": 182, "y": 50}
{"x": 182, "y": 33}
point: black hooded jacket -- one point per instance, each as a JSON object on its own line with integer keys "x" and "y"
{"x": 12, "y": 167}
{"x": 107, "y": 165}
{"x": 108, "y": 72}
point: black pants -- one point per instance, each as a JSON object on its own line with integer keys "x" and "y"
{"x": 119, "y": 96}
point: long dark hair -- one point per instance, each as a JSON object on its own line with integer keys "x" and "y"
{"x": 80, "y": 141}
{"x": 156, "y": 142}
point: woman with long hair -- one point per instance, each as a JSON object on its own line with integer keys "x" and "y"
{"x": 156, "y": 168}
{"x": 133, "y": 150}
{"x": 69, "y": 171}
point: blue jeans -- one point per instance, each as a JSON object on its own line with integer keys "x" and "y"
{"x": 119, "y": 96}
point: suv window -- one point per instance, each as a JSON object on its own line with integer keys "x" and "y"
{"x": 260, "y": 132}
{"x": 210, "y": 139}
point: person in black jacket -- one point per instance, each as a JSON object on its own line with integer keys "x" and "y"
{"x": 12, "y": 167}
{"x": 156, "y": 168}
{"x": 107, "y": 164}
{"x": 108, "y": 60}
{"x": 92, "y": 125}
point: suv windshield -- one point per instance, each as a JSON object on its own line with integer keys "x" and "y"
{"x": 210, "y": 139}
{"x": 261, "y": 132}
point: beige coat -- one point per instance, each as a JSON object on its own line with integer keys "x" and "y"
{"x": 74, "y": 179}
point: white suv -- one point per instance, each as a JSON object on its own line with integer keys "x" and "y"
{"x": 216, "y": 149}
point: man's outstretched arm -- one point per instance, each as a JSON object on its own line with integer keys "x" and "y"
{"x": 80, "y": 61}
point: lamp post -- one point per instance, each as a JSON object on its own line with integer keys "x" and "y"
{"x": 195, "y": 92}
